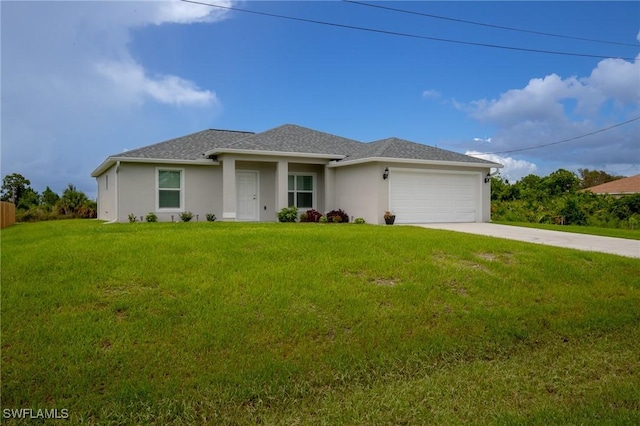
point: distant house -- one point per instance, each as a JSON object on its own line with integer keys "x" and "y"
{"x": 624, "y": 186}
{"x": 244, "y": 176}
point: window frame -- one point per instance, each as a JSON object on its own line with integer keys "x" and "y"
{"x": 181, "y": 189}
{"x": 295, "y": 191}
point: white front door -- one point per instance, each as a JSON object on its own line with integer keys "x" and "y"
{"x": 247, "y": 196}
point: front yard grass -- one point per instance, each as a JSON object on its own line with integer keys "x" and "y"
{"x": 631, "y": 234}
{"x": 231, "y": 323}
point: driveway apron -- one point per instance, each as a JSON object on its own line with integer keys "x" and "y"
{"x": 619, "y": 246}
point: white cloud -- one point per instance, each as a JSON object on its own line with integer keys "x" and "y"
{"x": 131, "y": 79}
{"x": 513, "y": 169}
{"x": 617, "y": 79}
{"x": 185, "y": 13}
{"x": 70, "y": 81}
{"x": 430, "y": 94}
{"x": 552, "y": 109}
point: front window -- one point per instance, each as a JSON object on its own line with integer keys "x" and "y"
{"x": 301, "y": 191}
{"x": 170, "y": 189}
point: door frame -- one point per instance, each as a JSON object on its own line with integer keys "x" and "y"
{"x": 256, "y": 217}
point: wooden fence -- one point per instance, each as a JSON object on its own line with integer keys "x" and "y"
{"x": 7, "y": 214}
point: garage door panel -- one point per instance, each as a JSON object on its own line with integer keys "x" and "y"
{"x": 424, "y": 197}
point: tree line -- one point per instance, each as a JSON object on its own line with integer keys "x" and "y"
{"x": 562, "y": 198}
{"x": 31, "y": 206}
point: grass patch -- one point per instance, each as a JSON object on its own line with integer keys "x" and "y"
{"x": 631, "y": 234}
{"x": 230, "y": 323}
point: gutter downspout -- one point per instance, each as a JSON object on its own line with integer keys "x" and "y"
{"x": 117, "y": 169}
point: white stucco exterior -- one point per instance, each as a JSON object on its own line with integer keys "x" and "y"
{"x": 251, "y": 183}
{"x": 357, "y": 189}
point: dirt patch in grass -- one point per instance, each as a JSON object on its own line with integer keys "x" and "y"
{"x": 457, "y": 288}
{"x": 506, "y": 258}
{"x": 381, "y": 281}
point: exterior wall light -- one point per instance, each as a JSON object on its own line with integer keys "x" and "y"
{"x": 385, "y": 175}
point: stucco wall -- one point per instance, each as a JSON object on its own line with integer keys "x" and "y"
{"x": 107, "y": 194}
{"x": 361, "y": 190}
{"x": 358, "y": 191}
{"x": 137, "y": 187}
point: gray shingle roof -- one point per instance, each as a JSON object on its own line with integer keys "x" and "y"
{"x": 400, "y": 148}
{"x": 292, "y": 138}
{"x": 190, "y": 147}
{"x": 295, "y": 139}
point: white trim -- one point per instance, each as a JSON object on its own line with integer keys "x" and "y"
{"x": 257, "y": 212}
{"x": 451, "y": 172}
{"x": 182, "y": 190}
{"x": 217, "y": 151}
{"x": 314, "y": 191}
{"x": 111, "y": 160}
{"x": 412, "y": 161}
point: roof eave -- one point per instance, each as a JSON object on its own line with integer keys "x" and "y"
{"x": 414, "y": 161}
{"x": 106, "y": 165}
{"x": 218, "y": 151}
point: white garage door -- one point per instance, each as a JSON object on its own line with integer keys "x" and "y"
{"x": 429, "y": 197}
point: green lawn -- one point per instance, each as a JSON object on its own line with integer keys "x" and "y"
{"x": 631, "y": 234}
{"x": 229, "y": 323}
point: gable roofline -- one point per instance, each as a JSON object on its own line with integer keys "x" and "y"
{"x": 111, "y": 161}
{"x": 347, "y": 162}
{"x": 218, "y": 151}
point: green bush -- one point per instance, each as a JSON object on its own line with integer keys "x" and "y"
{"x": 359, "y": 221}
{"x": 323, "y": 219}
{"x": 132, "y": 218}
{"x": 288, "y": 214}
{"x": 211, "y": 217}
{"x": 186, "y": 216}
{"x": 338, "y": 216}
{"x": 151, "y": 217}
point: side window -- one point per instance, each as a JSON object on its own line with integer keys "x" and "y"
{"x": 170, "y": 189}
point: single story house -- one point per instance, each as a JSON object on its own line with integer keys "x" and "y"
{"x": 245, "y": 176}
{"x": 625, "y": 186}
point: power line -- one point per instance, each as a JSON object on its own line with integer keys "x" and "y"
{"x": 373, "y": 30}
{"x": 489, "y": 25}
{"x": 564, "y": 140}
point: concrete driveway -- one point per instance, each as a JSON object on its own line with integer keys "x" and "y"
{"x": 619, "y": 246}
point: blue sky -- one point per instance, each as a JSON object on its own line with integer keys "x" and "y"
{"x": 83, "y": 80}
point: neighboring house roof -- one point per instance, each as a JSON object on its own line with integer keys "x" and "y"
{"x": 628, "y": 185}
{"x": 200, "y": 147}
